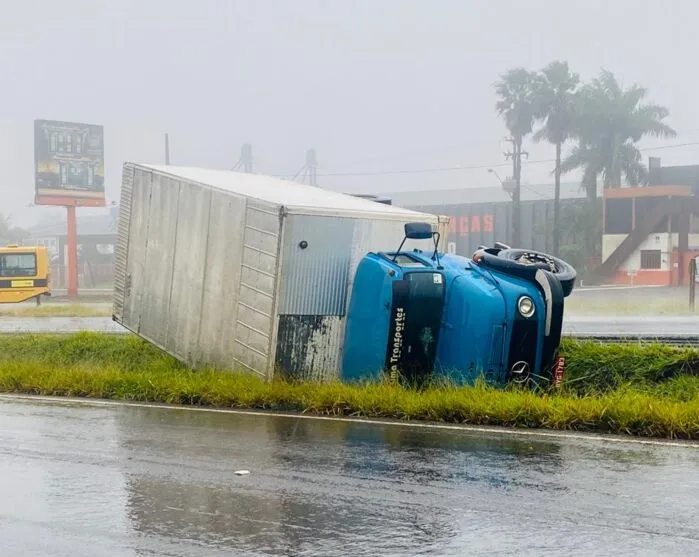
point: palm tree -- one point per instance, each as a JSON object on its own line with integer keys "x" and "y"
{"x": 610, "y": 122}
{"x": 516, "y": 104}
{"x": 556, "y": 89}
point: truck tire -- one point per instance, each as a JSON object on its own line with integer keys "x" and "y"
{"x": 563, "y": 271}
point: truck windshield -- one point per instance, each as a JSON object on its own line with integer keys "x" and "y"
{"x": 416, "y": 317}
{"x": 17, "y": 265}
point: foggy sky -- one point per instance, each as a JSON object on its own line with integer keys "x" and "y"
{"x": 373, "y": 85}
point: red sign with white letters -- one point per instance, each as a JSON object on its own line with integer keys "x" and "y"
{"x": 467, "y": 224}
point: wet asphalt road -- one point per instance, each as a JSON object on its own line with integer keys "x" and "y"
{"x": 647, "y": 326}
{"x": 651, "y": 325}
{"x": 14, "y": 324}
{"x": 125, "y": 481}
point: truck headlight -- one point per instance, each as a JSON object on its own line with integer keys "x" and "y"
{"x": 525, "y": 305}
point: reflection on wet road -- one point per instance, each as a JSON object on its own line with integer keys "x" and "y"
{"x": 120, "y": 481}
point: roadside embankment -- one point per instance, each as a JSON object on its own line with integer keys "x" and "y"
{"x": 638, "y": 390}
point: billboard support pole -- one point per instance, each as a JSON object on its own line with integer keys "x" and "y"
{"x": 69, "y": 172}
{"x": 72, "y": 251}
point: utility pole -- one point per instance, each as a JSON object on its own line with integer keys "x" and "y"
{"x": 516, "y": 156}
{"x": 245, "y": 160}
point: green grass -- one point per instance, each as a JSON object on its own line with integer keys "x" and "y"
{"x": 55, "y": 310}
{"x": 646, "y": 391}
{"x": 593, "y": 369}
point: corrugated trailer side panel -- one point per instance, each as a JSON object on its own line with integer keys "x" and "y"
{"x": 135, "y": 270}
{"x": 197, "y": 273}
{"x": 316, "y": 283}
{"x": 315, "y": 265}
{"x": 312, "y": 295}
{"x": 120, "y": 253}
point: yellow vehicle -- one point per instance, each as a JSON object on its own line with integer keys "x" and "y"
{"x": 24, "y": 273}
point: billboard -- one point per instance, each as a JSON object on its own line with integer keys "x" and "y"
{"x": 69, "y": 163}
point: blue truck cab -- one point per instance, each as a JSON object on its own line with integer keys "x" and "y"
{"x": 416, "y": 315}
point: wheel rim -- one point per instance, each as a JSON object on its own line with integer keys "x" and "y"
{"x": 534, "y": 258}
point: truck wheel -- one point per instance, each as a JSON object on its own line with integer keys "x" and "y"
{"x": 563, "y": 271}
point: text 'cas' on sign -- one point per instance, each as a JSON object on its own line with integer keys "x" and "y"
{"x": 467, "y": 224}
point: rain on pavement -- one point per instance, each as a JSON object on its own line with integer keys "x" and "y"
{"x": 116, "y": 480}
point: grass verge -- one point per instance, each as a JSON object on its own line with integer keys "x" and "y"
{"x": 646, "y": 391}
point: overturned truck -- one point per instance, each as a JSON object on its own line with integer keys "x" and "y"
{"x": 253, "y": 273}
{"x": 244, "y": 271}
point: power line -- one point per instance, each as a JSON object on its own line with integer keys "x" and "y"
{"x": 440, "y": 151}
{"x": 426, "y": 170}
{"x": 674, "y": 146}
{"x": 535, "y": 192}
{"x": 471, "y": 167}
{"x": 403, "y": 155}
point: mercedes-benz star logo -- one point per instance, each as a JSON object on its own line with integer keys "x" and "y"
{"x": 520, "y": 371}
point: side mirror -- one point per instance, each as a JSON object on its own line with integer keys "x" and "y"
{"x": 418, "y": 231}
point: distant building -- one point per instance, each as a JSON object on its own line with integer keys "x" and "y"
{"x": 484, "y": 194}
{"x": 649, "y": 233}
{"x": 483, "y": 215}
{"x": 97, "y": 236}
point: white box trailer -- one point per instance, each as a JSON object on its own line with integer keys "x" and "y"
{"x": 245, "y": 271}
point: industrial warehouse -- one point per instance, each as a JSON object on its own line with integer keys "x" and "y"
{"x": 641, "y": 236}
